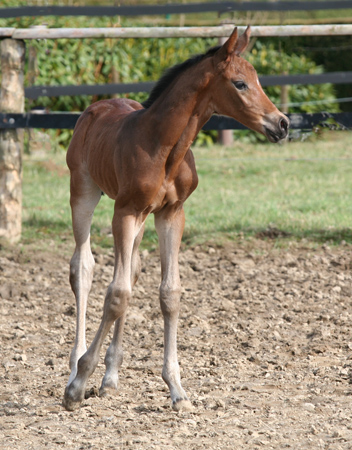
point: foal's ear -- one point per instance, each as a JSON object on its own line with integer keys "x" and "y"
{"x": 225, "y": 51}
{"x": 242, "y": 42}
{"x": 234, "y": 45}
{"x": 231, "y": 43}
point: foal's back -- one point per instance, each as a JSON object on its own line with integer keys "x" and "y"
{"x": 100, "y": 140}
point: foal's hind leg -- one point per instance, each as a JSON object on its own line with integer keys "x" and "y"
{"x": 85, "y": 195}
{"x": 114, "y": 354}
{"x": 169, "y": 225}
{"x": 126, "y": 227}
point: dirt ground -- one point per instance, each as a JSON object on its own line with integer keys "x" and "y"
{"x": 265, "y": 347}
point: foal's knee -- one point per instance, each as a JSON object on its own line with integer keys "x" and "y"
{"x": 116, "y": 301}
{"x": 170, "y": 300}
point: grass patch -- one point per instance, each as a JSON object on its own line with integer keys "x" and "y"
{"x": 293, "y": 191}
{"x": 301, "y": 189}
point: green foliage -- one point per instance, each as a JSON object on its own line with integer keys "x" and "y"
{"x": 92, "y": 61}
{"x": 333, "y": 52}
{"x": 97, "y": 61}
{"x": 207, "y": 138}
{"x": 270, "y": 61}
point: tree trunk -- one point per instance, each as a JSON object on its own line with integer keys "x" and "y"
{"x": 11, "y": 140}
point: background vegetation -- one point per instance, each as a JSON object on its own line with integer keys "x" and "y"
{"x": 99, "y": 61}
{"x": 295, "y": 191}
{"x": 300, "y": 190}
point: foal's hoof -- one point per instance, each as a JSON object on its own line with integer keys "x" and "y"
{"x": 109, "y": 386}
{"x": 108, "y": 391}
{"x": 182, "y": 405}
{"x": 70, "y": 405}
{"x": 69, "y": 402}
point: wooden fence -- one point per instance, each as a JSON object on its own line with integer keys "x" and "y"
{"x": 68, "y": 121}
{"x": 13, "y": 118}
{"x": 174, "y": 32}
{"x": 11, "y": 121}
{"x": 34, "y": 92}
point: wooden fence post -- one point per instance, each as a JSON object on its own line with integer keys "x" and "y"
{"x": 11, "y": 140}
{"x": 284, "y": 97}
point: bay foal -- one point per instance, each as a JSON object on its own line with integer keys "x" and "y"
{"x": 140, "y": 156}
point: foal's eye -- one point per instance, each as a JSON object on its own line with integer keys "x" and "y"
{"x": 240, "y": 85}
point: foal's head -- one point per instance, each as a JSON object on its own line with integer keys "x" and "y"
{"x": 237, "y": 92}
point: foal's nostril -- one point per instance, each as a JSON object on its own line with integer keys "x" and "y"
{"x": 283, "y": 124}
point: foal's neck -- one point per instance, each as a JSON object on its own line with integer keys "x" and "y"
{"x": 182, "y": 110}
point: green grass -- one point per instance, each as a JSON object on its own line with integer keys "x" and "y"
{"x": 293, "y": 191}
{"x": 301, "y": 189}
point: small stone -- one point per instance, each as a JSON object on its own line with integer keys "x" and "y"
{"x": 226, "y": 305}
{"x": 190, "y": 422}
{"x": 277, "y": 336}
{"x": 220, "y": 403}
{"x": 308, "y": 406}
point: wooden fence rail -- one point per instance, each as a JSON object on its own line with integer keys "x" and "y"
{"x": 10, "y": 121}
{"x": 35, "y": 92}
{"x": 174, "y": 32}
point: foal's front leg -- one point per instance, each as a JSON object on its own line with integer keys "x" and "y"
{"x": 114, "y": 354}
{"x": 169, "y": 225}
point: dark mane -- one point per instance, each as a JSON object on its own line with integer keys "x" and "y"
{"x": 172, "y": 73}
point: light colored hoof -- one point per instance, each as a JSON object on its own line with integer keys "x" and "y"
{"x": 108, "y": 391}
{"x": 182, "y": 405}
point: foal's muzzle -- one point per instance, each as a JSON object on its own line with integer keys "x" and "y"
{"x": 277, "y": 132}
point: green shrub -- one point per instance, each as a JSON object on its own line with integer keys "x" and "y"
{"x": 92, "y": 61}
{"x": 269, "y": 61}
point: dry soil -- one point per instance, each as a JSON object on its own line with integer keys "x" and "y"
{"x": 265, "y": 348}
